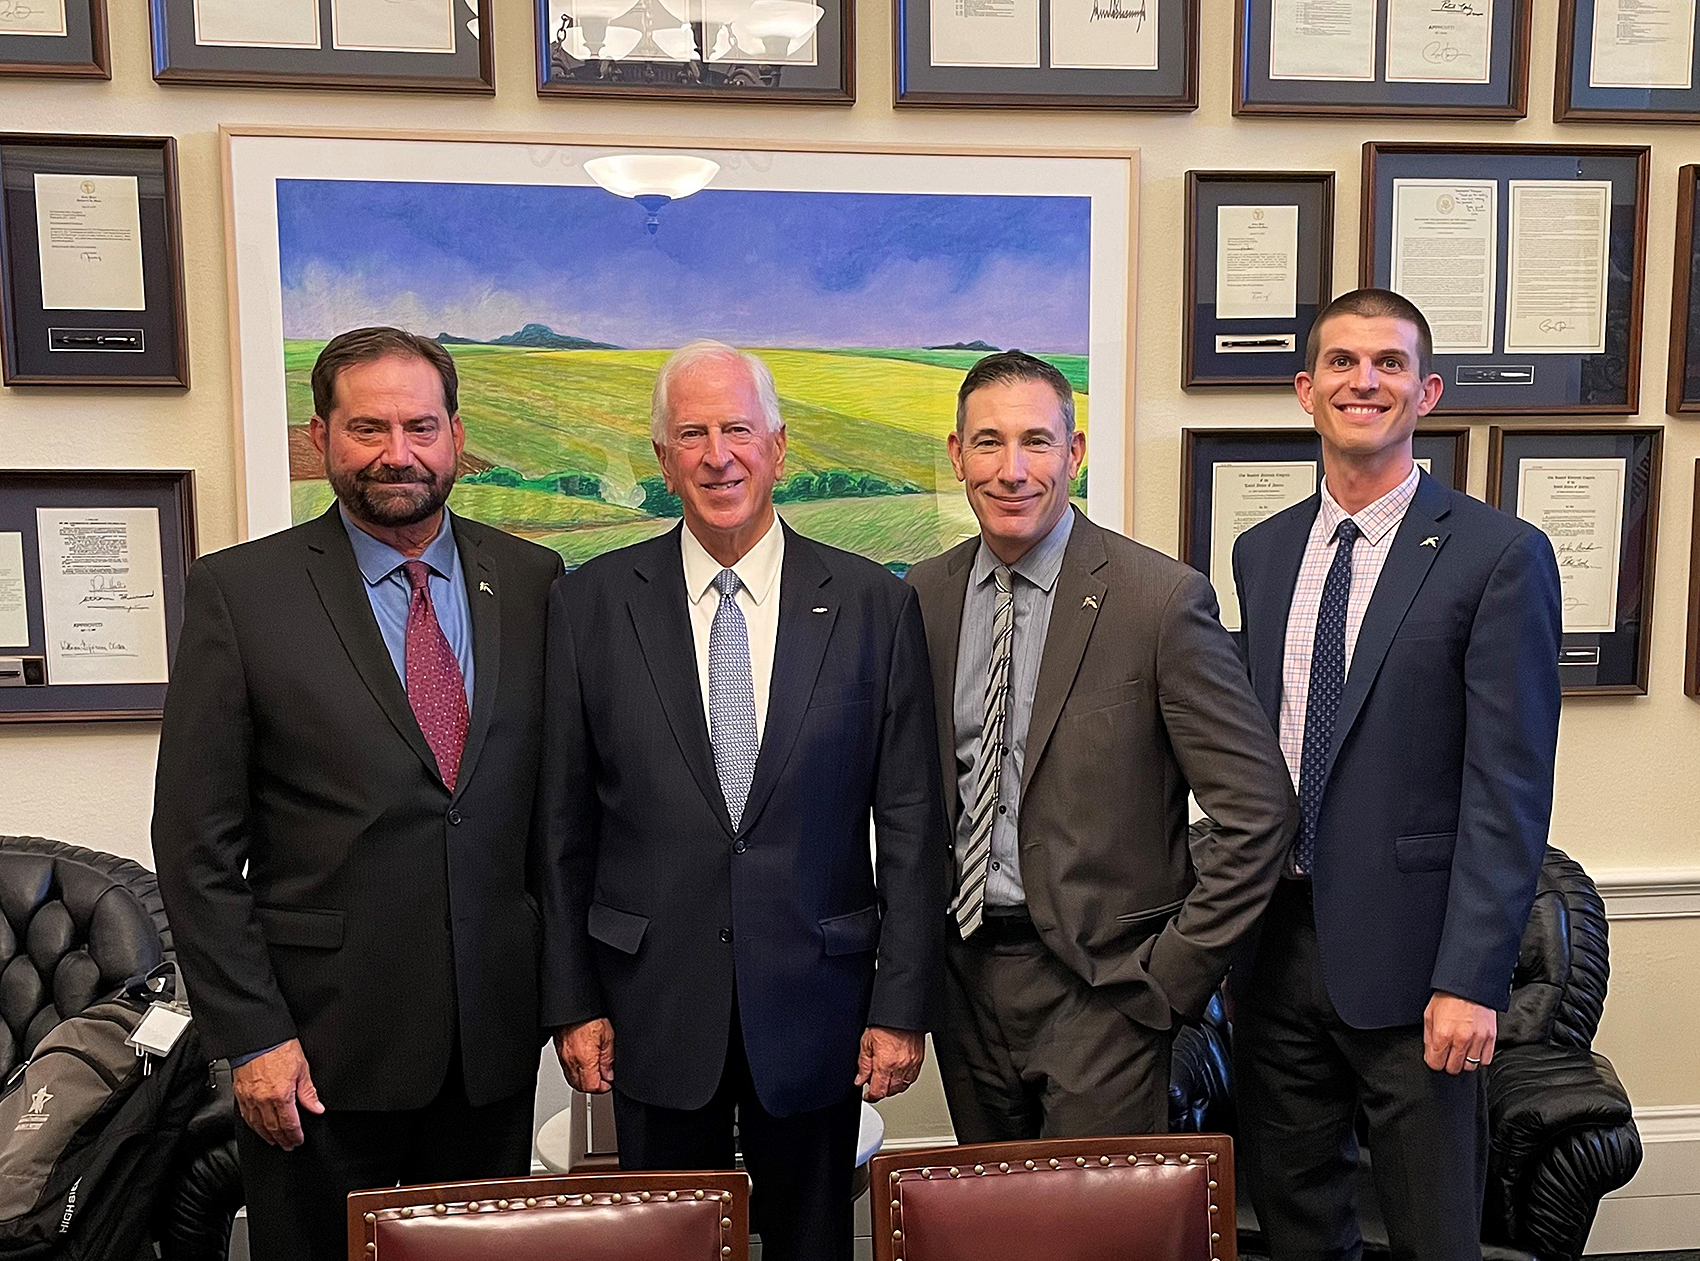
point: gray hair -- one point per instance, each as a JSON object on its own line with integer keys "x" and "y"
{"x": 687, "y": 358}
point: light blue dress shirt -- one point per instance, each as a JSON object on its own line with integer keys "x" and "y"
{"x": 389, "y": 592}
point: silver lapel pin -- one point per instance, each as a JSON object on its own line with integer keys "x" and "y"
{"x": 485, "y": 588}
{"x": 821, "y": 609}
{"x": 1433, "y": 541}
{"x": 1090, "y": 601}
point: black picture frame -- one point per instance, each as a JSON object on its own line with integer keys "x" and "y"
{"x": 1613, "y": 663}
{"x": 1204, "y": 360}
{"x": 1499, "y": 383}
{"x": 1504, "y": 95}
{"x": 1445, "y": 447}
{"x": 1576, "y": 99}
{"x": 179, "y": 57}
{"x": 1171, "y": 86}
{"x": 79, "y": 50}
{"x": 61, "y": 347}
{"x": 830, "y": 80}
{"x": 1682, "y": 373}
{"x": 172, "y": 493}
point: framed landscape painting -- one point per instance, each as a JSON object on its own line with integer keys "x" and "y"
{"x": 868, "y": 281}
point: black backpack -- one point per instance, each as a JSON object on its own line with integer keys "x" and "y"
{"x": 87, "y": 1134}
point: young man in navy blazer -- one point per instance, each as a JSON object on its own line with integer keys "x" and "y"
{"x": 1403, "y": 638}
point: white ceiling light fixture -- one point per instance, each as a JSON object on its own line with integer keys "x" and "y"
{"x": 777, "y": 28}
{"x": 652, "y": 179}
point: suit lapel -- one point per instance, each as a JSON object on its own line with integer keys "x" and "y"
{"x": 484, "y": 597}
{"x": 660, "y": 613}
{"x": 1415, "y": 546}
{"x": 342, "y": 590}
{"x": 944, "y": 641}
{"x": 1074, "y": 612}
{"x": 798, "y": 652}
{"x": 1266, "y": 652}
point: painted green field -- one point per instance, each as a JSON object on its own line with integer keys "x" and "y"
{"x": 545, "y": 414}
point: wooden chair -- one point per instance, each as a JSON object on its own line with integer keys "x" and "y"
{"x": 1165, "y": 1198}
{"x": 588, "y": 1217}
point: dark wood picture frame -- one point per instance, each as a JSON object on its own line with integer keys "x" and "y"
{"x": 979, "y": 87}
{"x": 162, "y": 265}
{"x": 1629, "y": 300}
{"x": 179, "y": 59}
{"x": 86, "y": 53}
{"x": 745, "y": 82}
{"x": 1630, "y": 659}
{"x": 1572, "y": 90}
{"x": 1691, "y": 666}
{"x": 1367, "y": 104}
{"x": 1684, "y": 325}
{"x": 172, "y": 491}
{"x": 1320, "y": 240}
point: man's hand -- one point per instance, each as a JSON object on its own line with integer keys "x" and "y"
{"x": 269, "y": 1088}
{"x": 890, "y": 1061}
{"x": 1458, "y": 1034}
{"x": 587, "y": 1055}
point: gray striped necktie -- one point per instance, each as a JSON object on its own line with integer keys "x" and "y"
{"x": 976, "y": 859}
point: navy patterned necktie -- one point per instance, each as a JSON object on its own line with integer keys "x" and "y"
{"x": 1327, "y": 679}
{"x": 731, "y": 698}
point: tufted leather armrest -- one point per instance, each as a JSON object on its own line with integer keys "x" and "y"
{"x": 1166, "y": 1198}
{"x": 1563, "y": 1135}
{"x": 588, "y": 1217}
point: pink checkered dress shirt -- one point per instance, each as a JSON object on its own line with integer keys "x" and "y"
{"x": 1379, "y": 523}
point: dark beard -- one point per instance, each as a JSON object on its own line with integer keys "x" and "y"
{"x": 423, "y": 498}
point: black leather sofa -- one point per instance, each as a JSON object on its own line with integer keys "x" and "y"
{"x": 1561, "y": 1129}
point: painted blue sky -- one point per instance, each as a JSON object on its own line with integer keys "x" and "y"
{"x": 752, "y": 268}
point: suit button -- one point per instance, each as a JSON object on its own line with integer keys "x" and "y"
{"x": 738, "y": 847}
{"x": 454, "y": 816}
{"x": 995, "y": 866}
{"x": 726, "y": 935}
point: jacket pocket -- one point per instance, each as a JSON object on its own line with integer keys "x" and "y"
{"x": 620, "y": 929}
{"x": 853, "y": 933}
{"x": 294, "y": 926}
{"x": 1431, "y": 851}
{"x": 843, "y": 693}
{"x": 1102, "y": 698}
{"x": 1151, "y": 921}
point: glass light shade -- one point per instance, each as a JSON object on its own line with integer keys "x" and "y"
{"x": 670, "y": 175}
{"x": 793, "y": 20}
{"x": 596, "y": 10}
{"x": 616, "y": 43}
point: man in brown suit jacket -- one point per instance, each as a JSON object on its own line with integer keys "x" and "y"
{"x": 1083, "y": 685}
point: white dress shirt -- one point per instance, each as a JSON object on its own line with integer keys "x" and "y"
{"x": 1378, "y": 523}
{"x": 758, "y": 600}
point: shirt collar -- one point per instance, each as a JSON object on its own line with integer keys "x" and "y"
{"x": 757, "y": 569}
{"x": 1042, "y": 563}
{"x": 1379, "y": 517}
{"x": 378, "y": 560}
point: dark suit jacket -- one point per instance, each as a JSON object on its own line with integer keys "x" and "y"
{"x": 655, "y": 908}
{"x": 1434, "y": 817}
{"x": 1140, "y": 697}
{"x": 373, "y": 897}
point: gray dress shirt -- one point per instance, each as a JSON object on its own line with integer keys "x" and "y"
{"x": 1034, "y": 585}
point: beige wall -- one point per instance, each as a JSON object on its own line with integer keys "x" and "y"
{"x": 1629, "y": 794}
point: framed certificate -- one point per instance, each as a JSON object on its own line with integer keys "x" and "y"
{"x": 1080, "y": 54}
{"x": 756, "y": 50}
{"x": 1682, "y": 379}
{"x": 1595, "y": 493}
{"x": 92, "y": 567}
{"x": 417, "y": 45}
{"x": 1392, "y": 58}
{"x": 1259, "y": 266}
{"x": 54, "y": 38}
{"x": 1691, "y": 659}
{"x": 91, "y": 262}
{"x": 1231, "y": 479}
{"x": 1527, "y": 261}
{"x": 1627, "y": 61}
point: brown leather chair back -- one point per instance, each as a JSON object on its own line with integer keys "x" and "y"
{"x": 1167, "y": 1198}
{"x": 587, "y": 1217}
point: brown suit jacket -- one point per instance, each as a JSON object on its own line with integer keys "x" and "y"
{"x": 1141, "y": 697}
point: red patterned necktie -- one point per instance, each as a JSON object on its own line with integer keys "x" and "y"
{"x": 435, "y": 686}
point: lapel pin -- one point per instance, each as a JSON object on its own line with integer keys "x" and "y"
{"x": 1433, "y": 541}
{"x": 1090, "y": 601}
{"x": 485, "y": 588}
{"x": 820, "y": 609}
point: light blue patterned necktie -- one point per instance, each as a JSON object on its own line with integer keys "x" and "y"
{"x": 731, "y": 698}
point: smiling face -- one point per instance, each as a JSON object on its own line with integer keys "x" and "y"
{"x": 1367, "y": 390}
{"x": 1015, "y": 457}
{"x": 720, "y": 457}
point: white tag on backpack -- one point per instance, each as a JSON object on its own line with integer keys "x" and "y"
{"x": 159, "y": 1030}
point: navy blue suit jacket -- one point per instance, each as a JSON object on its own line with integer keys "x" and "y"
{"x": 1434, "y": 816}
{"x": 655, "y": 907}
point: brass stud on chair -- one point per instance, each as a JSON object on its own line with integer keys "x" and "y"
{"x": 560, "y": 1201}
{"x": 531, "y": 1201}
{"x": 1030, "y": 1164}
{"x": 1081, "y": 1161}
{"x": 1215, "y": 1209}
{"x": 1214, "y": 1236}
{"x": 644, "y": 1196}
{"x": 372, "y": 1249}
{"x": 501, "y": 1203}
{"x": 725, "y": 1197}
{"x": 472, "y": 1206}
{"x": 1210, "y": 1159}
{"x": 1055, "y": 1163}
{"x": 1212, "y": 1184}
{"x": 1186, "y": 1158}
{"x": 980, "y": 1169}
{"x": 1133, "y": 1160}
{"x": 1003, "y": 1166}
{"x": 955, "y": 1172}
{"x": 371, "y": 1217}
{"x": 406, "y": 1213}
{"x": 1161, "y": 1158}
{"x": 897, "y": 1204}
{"x": 698, "y": 1194}
{"x": 672, "y": 1195}
{"x": 1103, "y": 1160}
{"x": 587, "y": 1199}
{"x": 897, "y": 1236}
{"x": 726, "y": 1251}
{"x": 440, "y": 1209}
